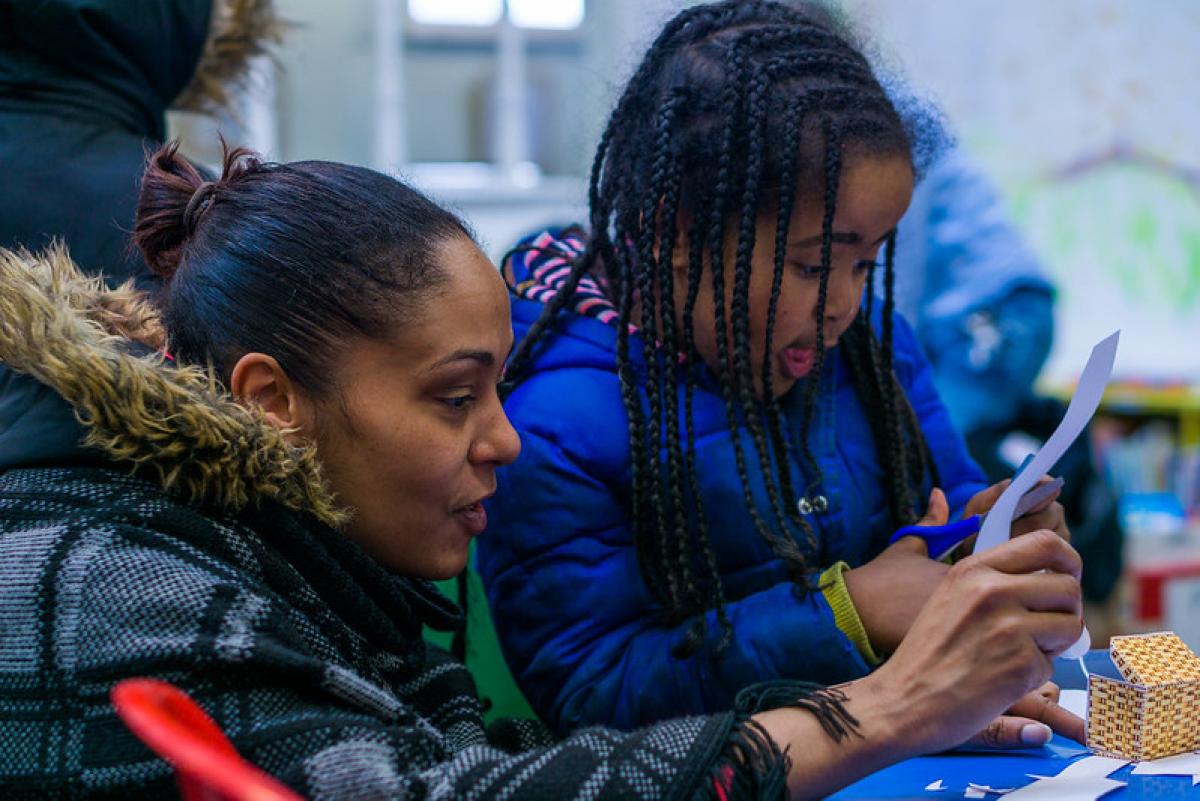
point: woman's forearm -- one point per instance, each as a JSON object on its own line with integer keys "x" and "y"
{"x": 819, "y": 764}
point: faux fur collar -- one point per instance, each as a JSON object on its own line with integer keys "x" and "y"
{"x": 239, "y": 31}
{"x": 72, "y": 334}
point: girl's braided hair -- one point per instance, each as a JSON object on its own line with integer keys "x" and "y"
{"x": 733, "y": 107}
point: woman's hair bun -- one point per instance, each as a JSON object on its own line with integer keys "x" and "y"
{"x": 174, "y": 198}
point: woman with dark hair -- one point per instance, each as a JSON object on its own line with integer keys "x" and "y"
{"x": 255, "y": 518}
{"x": 719, "y": 434}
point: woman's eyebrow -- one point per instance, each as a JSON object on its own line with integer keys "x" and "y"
{"x": 483, "y": 357}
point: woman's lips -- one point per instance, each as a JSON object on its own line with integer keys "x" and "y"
{"x": 474, "y": 517}
{"x": 798, "y": 362}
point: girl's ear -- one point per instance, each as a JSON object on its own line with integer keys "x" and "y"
{"x": 258, "y": 380}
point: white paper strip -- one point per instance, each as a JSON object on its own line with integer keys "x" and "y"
{"x": 1092, "y": 381}
{"x": 997, "y": 525}
{"x": 1178, "y": 765}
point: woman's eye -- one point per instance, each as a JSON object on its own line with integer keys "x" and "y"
{"x": 866, "y": 264}
{"x": 458, "y": 401}
{"x": 811, "y": 270}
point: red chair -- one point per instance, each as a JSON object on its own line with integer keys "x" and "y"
{"x": 207, "y": 767}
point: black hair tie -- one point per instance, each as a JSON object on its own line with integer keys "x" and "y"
{"x": 200, "y": 201}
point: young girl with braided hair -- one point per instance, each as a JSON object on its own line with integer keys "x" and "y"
{"x": 719, "y": 433}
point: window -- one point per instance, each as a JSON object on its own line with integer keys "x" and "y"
{"x": 557, "y": 15}
{"x": 456, "y": 12}
{"x": 552, "y": 14}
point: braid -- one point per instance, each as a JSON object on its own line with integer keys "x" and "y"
{"x": 901, "y": 445}
{"x": 731, "y": 111}
{"x": 680, "y": 553}
{"x": 695, "y": 275}
{"x": 907, "y": 497}
{"x": 786, "y": 204}
{"x": 637, "y": 444}
{"x": 869, "y": 309}
{"x": 779, "y": 539}
{"x": 645, "y": 268}
{"x": 833, "y": 168}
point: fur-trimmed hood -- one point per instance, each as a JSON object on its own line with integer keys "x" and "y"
{"x": 100, "y": 351}
{"x": 239, "y": 31}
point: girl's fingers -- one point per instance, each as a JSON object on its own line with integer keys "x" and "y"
{"x": 938, "y": 511}
{"x": 1045, "y": 504}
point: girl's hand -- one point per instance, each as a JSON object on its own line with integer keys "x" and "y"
{"x": 889, "y": 591}
{"x": 1047, "y": 515}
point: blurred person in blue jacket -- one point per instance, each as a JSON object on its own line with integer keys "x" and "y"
{"x": 982, "y": 306}
{"x": 719, "y": 435}
{"x": 976, "y": 295}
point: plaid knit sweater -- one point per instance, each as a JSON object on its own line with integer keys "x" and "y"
{"x": 187, "y": 540}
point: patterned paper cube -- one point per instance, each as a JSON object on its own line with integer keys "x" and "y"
{"x": 1155, "y": 711}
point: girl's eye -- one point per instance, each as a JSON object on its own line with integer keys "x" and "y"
{"x": 863, "y": 266}
{"x": 810, "y": 270}
{"x": 458, "y": 402}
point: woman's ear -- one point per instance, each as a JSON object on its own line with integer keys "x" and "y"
{"x": 258, "y": 380}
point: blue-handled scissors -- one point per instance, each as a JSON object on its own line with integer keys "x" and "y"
{"x": 941, "y": 540}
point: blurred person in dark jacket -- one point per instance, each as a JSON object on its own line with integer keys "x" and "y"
{"x": 84, "y": 90}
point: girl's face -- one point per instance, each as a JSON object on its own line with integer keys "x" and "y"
{"x": 874, "y": 193}
{"x": 413, "y": 444}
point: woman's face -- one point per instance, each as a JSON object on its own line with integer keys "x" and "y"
{"x": 874, "y": 193}
{"x": 413, "y": 443}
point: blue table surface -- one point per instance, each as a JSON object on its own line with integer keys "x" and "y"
{"x": 1010, "y": 769}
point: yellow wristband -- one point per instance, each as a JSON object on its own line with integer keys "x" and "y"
{"x": 833, "y": 587}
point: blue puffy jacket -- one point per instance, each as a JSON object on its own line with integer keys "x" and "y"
{"x": 579, "y": 628}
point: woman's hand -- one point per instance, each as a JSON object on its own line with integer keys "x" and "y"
{"x": 987, "y": 635}
{"x": 1031, "y": 722}
{"x": 983, "y": 642}
{"x": 890, "y": 590}
{"x": 1047, "y": 515}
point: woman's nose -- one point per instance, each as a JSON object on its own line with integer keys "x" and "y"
{"x": 500, "y": 443}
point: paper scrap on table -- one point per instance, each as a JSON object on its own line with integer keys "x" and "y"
{"x": 1074, "y": 701}
{"x": 997, "y": 524}
{"x": 1065, "y": 790}
{"x": 982, "y": 790}
{"x": 936, "y": 785}
{"x": 1082, "y": 780}
{"x": 1178, "y": 765}
{"x": 1092, "y": 767}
